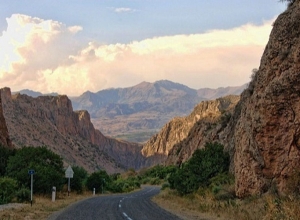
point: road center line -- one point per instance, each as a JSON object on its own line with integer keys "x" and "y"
{"x": 126, "y": 216}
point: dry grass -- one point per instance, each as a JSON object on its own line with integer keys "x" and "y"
{"x": 204, "y": 205}
{"x": 42, "y": 207}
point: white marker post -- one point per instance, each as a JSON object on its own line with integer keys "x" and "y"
{"x": 69, "y": 174}
{"x": 31, "y": 172}
{"x": 53, "y": 193}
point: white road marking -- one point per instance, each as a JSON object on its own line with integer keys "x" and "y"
{"x": 126, "y": 216}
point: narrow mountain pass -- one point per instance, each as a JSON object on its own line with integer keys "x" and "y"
{"x": 132, "y": 206}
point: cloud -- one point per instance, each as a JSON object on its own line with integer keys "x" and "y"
{"x": 43, "y": 55}
{"x": 121, "y": 10}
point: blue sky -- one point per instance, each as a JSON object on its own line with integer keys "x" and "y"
{"x": 117, "y": 33}
{"x": 147, "y": 18}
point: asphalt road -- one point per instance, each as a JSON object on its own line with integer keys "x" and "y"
{"x": 132, "y": 206}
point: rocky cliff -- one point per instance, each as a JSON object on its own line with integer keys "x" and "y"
{"x": 262, "y": 134}
{"x": 266, "y": 126}
{"x": 179, "y": 138}
{"x": 4, "y": 137}
{"x": 50, "y": 121}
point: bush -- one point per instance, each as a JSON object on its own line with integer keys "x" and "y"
{"x": 155, "y": 175}
{"x": 78, "y": 181}
{"x": 155, "y": 181}
{"x": 98, "y": 180}
{"x": 8, "y": 187}
{"x": 124, "y": 185}
{"x": 165, "y": 186}
{"x": 5, "y": 153}
{"x": 202, "y": 166}
{"x": 48, "y": 168}
{"x": 23, "y": 195}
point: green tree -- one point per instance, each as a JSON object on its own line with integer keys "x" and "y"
{"x": 98, "y": 180}
{"x": 48, "y": 168}
{"x": 8, "y": 187}
{"x": 5, "y": 153}
{"x": 78, "y": 181}
{"x": 202, "y": 166}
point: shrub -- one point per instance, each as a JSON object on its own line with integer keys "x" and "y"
{"x": 23, "y": 195}
{"x": 156, "y": 174}
{"x": 98, "y": 180}
{"x": 8, "y": 187}
{"x": 202, "y": 166}
{"x": 155, "y": 181}
{"x": 165, "y": 186}
{"x": 5, "y": 153}
{"x": 78, "y": 181}
{"x": 48, "y": 168}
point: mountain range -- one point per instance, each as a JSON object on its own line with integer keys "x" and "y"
{"x": 136, "y": 113}
{"x": 260, "y": 129}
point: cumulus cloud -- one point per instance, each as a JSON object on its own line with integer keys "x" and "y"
{"x": 40, "y": 55}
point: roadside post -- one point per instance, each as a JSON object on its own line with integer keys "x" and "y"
{"x": 69, "y": 174}
{"x": 94, "y": 191}
{"x": 53, "y": 193}
{"x": 31, "y": 172}
{"x": 103, "y": 181}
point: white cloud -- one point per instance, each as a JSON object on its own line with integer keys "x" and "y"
{"x": 121, "y": 10}
{"x": 40, "y": 55}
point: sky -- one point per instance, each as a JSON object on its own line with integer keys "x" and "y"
{"x": 73, "y": 46}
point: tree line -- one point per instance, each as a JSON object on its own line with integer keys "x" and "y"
{"x": 206, "y": 167}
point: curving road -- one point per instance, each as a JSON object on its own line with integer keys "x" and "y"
{"x": 132, "y": 206}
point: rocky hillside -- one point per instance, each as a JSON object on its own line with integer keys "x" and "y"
{"x": 262, "y": 134}
{"x": 4, "y": 137}
{"x": 138, "y": 112}
{"x": 179, "y": 138}
{"x": 266, "y": 125}
{"x": 50, "y": 121}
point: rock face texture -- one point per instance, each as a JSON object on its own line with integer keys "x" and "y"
{"x": 266, "y": 130}
{"x": 4, "y": 137}
{"x": 262, "y": 134}
{"x": 179, "y": 138}
{"x": 50, "y": 121}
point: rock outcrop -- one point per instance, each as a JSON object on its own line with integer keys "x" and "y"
{"x": 4, "y": 137}
{"x": 50, "y": 121}
{"x": 266, "y": 129}
{"x": 179, "y": 138}
{"x": 263, "y": 133}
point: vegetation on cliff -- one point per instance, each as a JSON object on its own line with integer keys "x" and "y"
{"x": 198, "y": 171}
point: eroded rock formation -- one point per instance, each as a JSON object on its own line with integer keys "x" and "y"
{"x": 263, "y": 133}
{"x": 266, "y": 132}
{"x": 178, "y": 139}
{"x": 50, "y": 121}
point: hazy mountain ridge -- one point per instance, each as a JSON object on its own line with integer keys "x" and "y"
{"x": 145, "y": 108}
{"x": 142, "y": 97}
{"x": 34, "y": 94}
{"x": 136, "y": 113}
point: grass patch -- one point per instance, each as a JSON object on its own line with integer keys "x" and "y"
{"x": 206, "y": 205}
{"x": 42, "y": 207}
